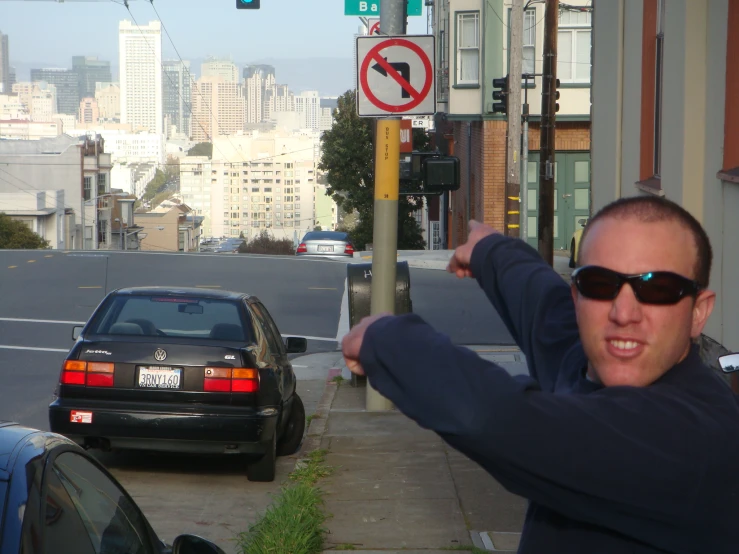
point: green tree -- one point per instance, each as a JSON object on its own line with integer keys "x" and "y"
{"x": 172, "y": 168}
{"x": 16, "y": 235}
{"x": 201, "y": 149}
{"x": 348, "y": 160}
{"x": 156, "y": 185}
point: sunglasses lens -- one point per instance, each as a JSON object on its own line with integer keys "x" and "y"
{"x": 598, "y": 283}
{"x": 661, "y": 288}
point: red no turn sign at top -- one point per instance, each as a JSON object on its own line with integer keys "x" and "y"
{"x": 395, "y": 75}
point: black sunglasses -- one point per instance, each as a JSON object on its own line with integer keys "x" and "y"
{"x": 655, "y": 287}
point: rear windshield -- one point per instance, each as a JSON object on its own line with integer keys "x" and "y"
{"x": 325, "y": 235}
{"x": 184, "y": 317}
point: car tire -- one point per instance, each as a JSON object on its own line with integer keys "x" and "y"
{"x": 572, "y": 253}
{"x": 264, "y": 469}
{"x": 292, "y": 438}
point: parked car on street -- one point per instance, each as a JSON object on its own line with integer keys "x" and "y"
{"x": 182, "y": 370}
{"x": 575, "y": 242}
{"x": 56, "y": 498}
{"x": 325, "y": 243}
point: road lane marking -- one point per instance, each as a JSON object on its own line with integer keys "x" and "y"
{"x": 34, "y": 348}
{"x": 31, "y": 261}
{"x": 322, "y": 288}
{"x": 19, "y": 320}
{"x": 91, "y": 287}
{"x": 12, "y": 266}
{"x": 49, "y": 256}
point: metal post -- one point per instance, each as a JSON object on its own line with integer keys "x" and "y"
{"x": 525, "y": 165}
{"x": 387, "y": 189}
{"x": 546, "y": 156}
{"x": 513, "y": 168}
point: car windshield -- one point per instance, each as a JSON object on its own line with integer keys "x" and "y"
{"x": 325, "y": 235}
{"x": 182, "y": 316}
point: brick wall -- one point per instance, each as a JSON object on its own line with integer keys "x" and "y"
{"x": 570, "y": 135}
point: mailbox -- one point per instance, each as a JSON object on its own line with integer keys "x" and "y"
{"x": 359, "y": 285}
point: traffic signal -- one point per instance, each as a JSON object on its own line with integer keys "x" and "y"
{"x": 247, "y": 4}
{"x": 556, "y": 95}
{"x": 500, "y": 96}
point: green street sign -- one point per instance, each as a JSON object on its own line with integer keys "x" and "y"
{"x": 372, "y": 7}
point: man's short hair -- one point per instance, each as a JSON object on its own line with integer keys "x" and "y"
{"x": 654, "y": 209}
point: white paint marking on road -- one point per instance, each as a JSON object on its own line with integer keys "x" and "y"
{"x": 12, "y": 266}
{"x": 19, "y": 320}
{"x": 343, "y": 327}
{"x": 34, "y": 348}
{"x": 487, "y": 541}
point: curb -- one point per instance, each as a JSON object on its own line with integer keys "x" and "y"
{"x": 317, "y": 428}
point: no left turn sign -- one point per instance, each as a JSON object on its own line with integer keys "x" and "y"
{"x": 395, "y": 75}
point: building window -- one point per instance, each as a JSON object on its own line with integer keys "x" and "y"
{"x": 529, "y": 42}
{"x": 101, "y": 184}
{"x": 88, "y": 188}
{"x": 573, "y": 46}
{"x": 468, "y": 48}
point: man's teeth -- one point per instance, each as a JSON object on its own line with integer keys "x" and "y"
{"x": 624, "y": 344}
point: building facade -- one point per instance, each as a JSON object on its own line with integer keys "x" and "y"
{"x": 5, "y": 82}
{"x": 218, "y": 109}
{"x": 39, "y": 99}
{"x": 665, "y": 120}
{"x": 224, "y": 69}
{"x": 90, "y": 71}
{"x": 140, "y": 58}
{"x": 108, "y": 97}
{"x": 67, "y": 87}
{"x": 42, "y": 211}
{"x": 308, "y": 106}
{"x": 177, "y": 85}
{"x": 88, "y": 112}
{"x": 473, "y": 45}
{"x": 77, "y": 166}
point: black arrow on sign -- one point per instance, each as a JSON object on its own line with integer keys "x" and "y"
{"x": 401, "y": 67}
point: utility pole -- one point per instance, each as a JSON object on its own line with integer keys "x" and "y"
{"x": 546, "y": 155}
{"x": 525, "y": 164}
{"x": 387, "y": 191}
{"x": 513, "y": 158}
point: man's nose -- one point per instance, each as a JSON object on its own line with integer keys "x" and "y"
{"x": 626, "y": 308}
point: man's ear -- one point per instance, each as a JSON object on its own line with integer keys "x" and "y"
{"x": 702, "y": 309}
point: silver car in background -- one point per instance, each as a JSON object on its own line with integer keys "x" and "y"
{"x": 325, "y": 243}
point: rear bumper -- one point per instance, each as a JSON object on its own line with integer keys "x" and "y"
{"x": 186, "y": 429}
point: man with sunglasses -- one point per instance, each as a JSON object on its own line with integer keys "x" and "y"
{"x": 620, "y": 438}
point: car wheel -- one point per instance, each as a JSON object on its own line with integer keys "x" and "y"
{"x": 293, "y": 436}
{"x": 264, "y": 469}
{"x": 572, "y": 253}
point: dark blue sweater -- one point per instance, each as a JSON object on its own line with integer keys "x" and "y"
{"x": 606, "y": 470}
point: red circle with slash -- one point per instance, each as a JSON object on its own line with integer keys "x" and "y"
{"x": 416, "y": 96}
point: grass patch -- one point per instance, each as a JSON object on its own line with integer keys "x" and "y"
{"x": 293, "y": 524}
{"x": 344, "y": 547}
{"x": 338, "y": 379}
{"x": 310, "y": 418}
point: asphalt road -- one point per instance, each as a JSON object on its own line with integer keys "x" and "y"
{"x": 43, "y": 294}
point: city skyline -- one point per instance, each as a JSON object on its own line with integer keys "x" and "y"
{"x": 276, "y": 31}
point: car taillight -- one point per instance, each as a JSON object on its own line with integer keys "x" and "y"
{"x": 302, "y": 248}
{"x": 349, "y": 249}
{"x": 92, "y": 374}
{"x": 226, "y": 379}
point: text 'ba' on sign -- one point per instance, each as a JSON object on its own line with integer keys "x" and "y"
{"x": 395, "y": 75}
{"x": 372, "y": 7}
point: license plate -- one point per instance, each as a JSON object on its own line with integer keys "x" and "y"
{"x": 159, "y": 377}
{"x": 325, "y": 248}
{"x": 76, "y": 416}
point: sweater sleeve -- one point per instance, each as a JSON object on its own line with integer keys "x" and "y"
{"x": 608, "y": 458}
{"x": 533, "y": 301}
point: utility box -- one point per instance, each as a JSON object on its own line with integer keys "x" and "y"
{"x": 359, "y": 287}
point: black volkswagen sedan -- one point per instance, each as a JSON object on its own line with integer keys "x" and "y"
{"x": 57, "y": 499}
{"x": 182, "y": 370}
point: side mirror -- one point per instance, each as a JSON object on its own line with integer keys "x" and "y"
{"x": 729, "y": 363}
{"x": 296, "y": 345}
{"x": 191, "y": 544}
{"x": 76, "y": 332}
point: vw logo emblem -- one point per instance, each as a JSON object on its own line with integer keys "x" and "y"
{"x": 160, "y": 355}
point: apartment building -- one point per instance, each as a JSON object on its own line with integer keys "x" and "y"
{"x": 43, "y": 211}
{"x": 177, "y": 85}
{"x": 218, "y": 108}
{"x": 88, "y": 112}
{"x": 665, "y": 120}
{"x": 79, "y": 167}
{"x": 473, "y": 46}
{"x": 108, "y": 96}
{"x": 67, "y": 87}
{"x": 264, "y": 181}
{"x": 140, "y": 59}
{"x": 308, "y": 106}
{"x": 225, "y": 69}
{"x": 39, "y": 99}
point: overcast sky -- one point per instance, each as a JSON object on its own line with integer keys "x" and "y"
{"x": 52, "y": 32}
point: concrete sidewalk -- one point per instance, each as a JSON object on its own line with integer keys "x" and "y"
{"x": 399, "y": 488}
{"x": 438, "y": 259}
